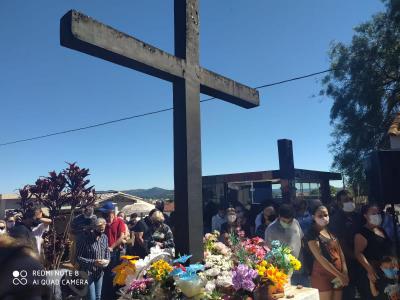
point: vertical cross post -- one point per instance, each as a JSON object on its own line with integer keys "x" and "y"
{"x": 187, "y": 133}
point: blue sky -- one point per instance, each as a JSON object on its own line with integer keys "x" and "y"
{"x": 45, "y": 88}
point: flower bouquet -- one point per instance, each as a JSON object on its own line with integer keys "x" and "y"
{"x": 246, "y": 269}
{"x": 281, "y": 257}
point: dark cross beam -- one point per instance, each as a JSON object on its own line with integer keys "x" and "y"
{"x": 85, "y": 34}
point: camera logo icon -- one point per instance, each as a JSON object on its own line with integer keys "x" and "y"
{"x": 20, "y": 277}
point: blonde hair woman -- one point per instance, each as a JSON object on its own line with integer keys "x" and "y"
{"x": 161, "y": 234}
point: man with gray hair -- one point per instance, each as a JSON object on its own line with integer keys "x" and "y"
{"x": 93, "y": 255}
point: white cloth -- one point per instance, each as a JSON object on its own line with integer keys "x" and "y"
{"x": 216, "y": 222}
{"x": 38, "y": 233}
{"x": 301, "y": 294}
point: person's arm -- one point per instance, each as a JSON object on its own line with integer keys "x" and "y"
{"x": 315, "y": 249}
{"x": 360, "y": 243}
{"x": 343, "y": 259}
{"x": 132, "y": 237}
{"x": 374, "y": 290}
{"x": 139, "y": 238}
{"x": 46, "y": 221}
{"x": 344, "y": 267}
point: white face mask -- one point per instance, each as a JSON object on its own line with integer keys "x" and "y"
{"x": 285, "y": 225}
{"x": 349, "y": 206}
{"x": 322, "y": 221}
{"x": 231, "y": 218}
{"x": 375, "y": 219}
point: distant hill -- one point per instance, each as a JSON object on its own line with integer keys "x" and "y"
{"x": 154, "y": 192}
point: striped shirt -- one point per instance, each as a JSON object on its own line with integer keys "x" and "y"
{"x": 89, "y": 248}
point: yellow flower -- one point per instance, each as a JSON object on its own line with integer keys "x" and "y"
{"x": 160, "y": 269}
{"x": 295, "y": 263}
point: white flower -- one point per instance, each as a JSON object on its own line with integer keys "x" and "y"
{"x": 210, "y": 286}
{"x": 212, "y": 272}
{"x": 224, "y": 279}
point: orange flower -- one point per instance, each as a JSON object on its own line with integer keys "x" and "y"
{"x": 269, "y": 272}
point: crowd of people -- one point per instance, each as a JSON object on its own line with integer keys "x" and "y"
{"x": 345, "y": 252}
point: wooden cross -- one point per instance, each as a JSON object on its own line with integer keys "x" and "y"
{"x": 85, "y": 34}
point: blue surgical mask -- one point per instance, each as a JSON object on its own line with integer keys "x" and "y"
{"x": 390, "y": 273}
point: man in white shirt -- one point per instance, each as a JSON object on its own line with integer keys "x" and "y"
{"x": 42, "y": 226}
{"x": 218, "y": 219}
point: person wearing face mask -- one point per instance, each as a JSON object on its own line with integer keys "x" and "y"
{"x": 287, "y": 230}
{"x": 386, "y": 286}
{"x": 142, "y": 233}
{"x": 115, "y": 232}
{"x": 325, "y": 257}
{"x": 22, "y": 230}
{"x": 80, "y": 225}
{"x": 218, "y": 219}
{"x": 370, "y": 245}
{"x": 3, "y": 228}
{"x": 267, "y": 218}
{"x": 93, "y": 256}
{"x": 344, "y": 224}
{"x": 230, "y": 226}
{"x": 160, "y": 233}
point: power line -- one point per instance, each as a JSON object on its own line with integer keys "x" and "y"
{"x": 149, "y": 113}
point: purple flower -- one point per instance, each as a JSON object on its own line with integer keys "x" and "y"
{"x": 140, "y": 285}
{"x": 243, "y": 278}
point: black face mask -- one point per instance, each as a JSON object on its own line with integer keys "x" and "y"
{"x": 271, "y": 218}
{"x": 35, "y": 223}
{"x": 157, "y": 224}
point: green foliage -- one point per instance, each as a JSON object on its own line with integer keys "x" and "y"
{"x": 365, "y": 88}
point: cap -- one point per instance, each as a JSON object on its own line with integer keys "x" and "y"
{"x": 107, "y": 207}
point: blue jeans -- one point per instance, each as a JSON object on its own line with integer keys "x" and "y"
{"x": 95, "y": 288}
{"x": 109, "y": 291}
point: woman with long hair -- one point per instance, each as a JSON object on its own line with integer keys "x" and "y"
{"x": 328, "y": 266}
{"x": 370, "y": 244}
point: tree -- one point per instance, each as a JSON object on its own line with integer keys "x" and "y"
{"x": 365, "y": 87}
{"x": 66, "y": 188}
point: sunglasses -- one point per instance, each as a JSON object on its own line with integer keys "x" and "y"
{"x": 2, "y": 228}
